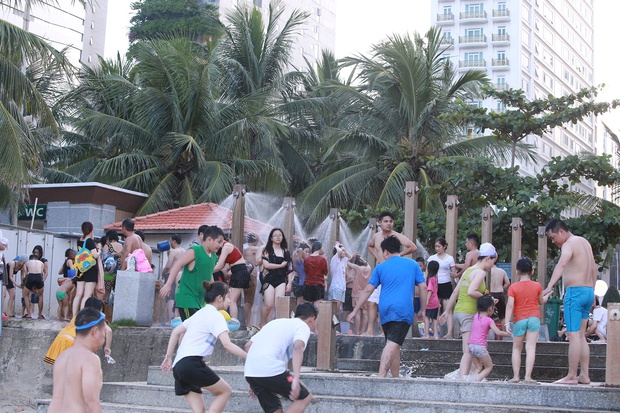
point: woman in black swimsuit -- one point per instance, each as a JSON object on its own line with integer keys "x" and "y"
{"x": 278, "y": 265}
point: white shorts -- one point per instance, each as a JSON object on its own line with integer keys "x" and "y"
{"x": 336, "y": 294}
{"x": 374, "y": 297}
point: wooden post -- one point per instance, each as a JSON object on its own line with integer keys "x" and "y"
{"x": 238, "y": 216}
{"x": 612, "y": 360}
{"x": 516, "y": 227}
{"x": 452, "y": 212}
{"x": 410, "y": 230}
{"x": 288, "y": 227}
{"x": 372, "y": 223}
{"x": 487, "y": 225}
{"x": 284, "y": 306}
{"x": 326, "y": 336}
{"x": 541, "y": 268}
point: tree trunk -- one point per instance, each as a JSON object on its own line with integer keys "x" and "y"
{"x": 514, "y": 150}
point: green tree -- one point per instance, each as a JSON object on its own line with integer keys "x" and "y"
{"x": 156, "y": 19}
{"x": 524, "y": 117}
{"x": 392, "y": 126}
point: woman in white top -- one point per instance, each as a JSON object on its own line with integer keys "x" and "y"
{"x": 200, "y": 332}
{"x": 447, "y": 271}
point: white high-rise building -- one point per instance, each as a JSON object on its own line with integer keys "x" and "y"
{"x": 81, "y": 30}
{"x": 541, "y": 46}
{"x": 317, "y": 34}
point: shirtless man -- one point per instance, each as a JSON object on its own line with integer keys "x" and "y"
{"x": 174, "y": 254}
{"x": 499, "y": 286}
{"x": 77, "y": 371}
{"x": 132, "y": 241}
{"x": 386, "y": 223}
{"x": 35, "y": 282}
{"x": 472, "y": 242}
{"x": 578, "y": 268}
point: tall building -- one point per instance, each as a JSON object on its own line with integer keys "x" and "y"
{"x": 541, "y": 46}
{"x": 64, "y": 24}
{"x": 317, "y": 34}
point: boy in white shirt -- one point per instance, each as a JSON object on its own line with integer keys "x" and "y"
{"x": 268, "y": 354}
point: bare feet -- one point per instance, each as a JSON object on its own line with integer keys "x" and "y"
{"x": 566, "y": 380}
{"x": 514, "y": 380}
{"x": 583, "y": 380}
{"x": 530, "y": 381}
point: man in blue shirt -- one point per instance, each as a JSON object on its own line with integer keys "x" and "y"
{"x": 398, "y": 277}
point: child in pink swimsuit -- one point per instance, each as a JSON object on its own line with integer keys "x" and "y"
{"x": 479, "y": 331}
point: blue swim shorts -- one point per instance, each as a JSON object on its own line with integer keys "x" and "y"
{"x": 527, "y": 324}
{"x": 577, "y": 304}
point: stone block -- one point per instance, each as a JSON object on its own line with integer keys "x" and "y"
{"x": 134, "y": 297}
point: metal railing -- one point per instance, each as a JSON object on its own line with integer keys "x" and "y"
{"x": 445, "y": 17}
{"x": 499, "y": 62}
{"x": 500, "y": 37}
{"x": 473, "y": 39}
{"x": 473, "y": 15}
{"x": 472, "y": 63}
{"x": 501, "y": 13}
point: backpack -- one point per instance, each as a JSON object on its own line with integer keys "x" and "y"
{"x": 84, "y": 259}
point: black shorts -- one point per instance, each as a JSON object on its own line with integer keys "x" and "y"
{"x": 267, "y": 390}
{"x": 298, "y": 290}
{"x": 313, "y": 293}
{"x": 240, "y": 277}
{"x": 432, "y": 314}
{"x": 186, "y": 313}
{"x": 500, "y": 307}
{"x": 444, "y": 291}
{"x": 348, "y": 300}
{"x": 173, "y": 289}
{"x": 191, "y": 374}
{"x": 396, "y": 331}
{"x": 34, "y": 280}
{"x": 416, "y": 305}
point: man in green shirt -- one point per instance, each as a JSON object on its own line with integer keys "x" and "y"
{"x": 197, "y": 264}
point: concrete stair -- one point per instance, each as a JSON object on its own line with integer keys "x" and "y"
{"x": 357, "y": 393}
{"x": 436, "y": 358}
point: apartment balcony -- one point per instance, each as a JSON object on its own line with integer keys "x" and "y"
{"x": 501, "y": 15}
{"x": 445, "y": 19}
{"x": 446, "y": 1}
{"x": 473, "y": 16}
{"x": 472, "y": 64}
{"x": 500, "y": 64}
{"x": 447, "y": 42}
{"x": 500, "y": 39}
{"x": 501, "y": 86}
{"x": 472, "y": 41}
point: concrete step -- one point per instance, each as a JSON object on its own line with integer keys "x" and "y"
{"x": 163, "y": 397}
{"x": 439, "y": 369}
{"x": 43, "y": 405}
{"x": 362, "y": 390}
{"x": 371, "y": 347}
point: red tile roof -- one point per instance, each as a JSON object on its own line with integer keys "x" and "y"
{"x": 190, "y": 218}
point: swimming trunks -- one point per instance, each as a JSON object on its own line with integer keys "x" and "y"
{"x": 577, "y": 304}
{"x": 60, "y": 295}
{"x": 34, "y": 280}
{"x": 500, "y": 306}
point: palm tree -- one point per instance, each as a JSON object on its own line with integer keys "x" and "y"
{"x": 254, "y": 57}
{"x": 393, "y": 126}
{"x": 29, "y": 67}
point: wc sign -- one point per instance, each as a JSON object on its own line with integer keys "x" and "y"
{"x": 28, "y": 211}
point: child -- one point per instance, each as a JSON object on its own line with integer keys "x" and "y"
{"x": 416, "y": 291}
{"x": 432, "y": 301}
{"x": 65, "y": 285}
{"x": 479, "y": 332}
{"x": 524, "y": 298}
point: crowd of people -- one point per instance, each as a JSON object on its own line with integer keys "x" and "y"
{"x": 444, "y": 296}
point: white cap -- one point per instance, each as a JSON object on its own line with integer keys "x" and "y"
{"x": 487, "y": 250}
{"x": 4, "y": 241}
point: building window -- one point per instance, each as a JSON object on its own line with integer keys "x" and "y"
{"x": 474, "y": 8}
{"x": 473, "y": 56}
{"x": 447, "y": 10}
{"x": 501, "y": 55}
{"x": 90, "y": 59}
{"x": 501, "y": 30}
{"x": 90, "y": 41}
{"x": 92, "y": 25}
{"x": 473, "y": 32}
{"x": 501, "y": 6}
